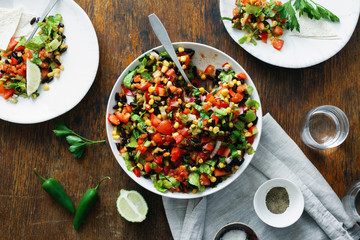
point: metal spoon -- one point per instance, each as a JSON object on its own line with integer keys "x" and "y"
{"x": 43, "y": 16}
{"x": 163, "y": 37}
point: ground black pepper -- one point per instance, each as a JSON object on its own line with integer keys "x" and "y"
{"x": 277, "y": 200}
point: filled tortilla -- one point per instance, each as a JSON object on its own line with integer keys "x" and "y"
{"x": 9, "y": 20}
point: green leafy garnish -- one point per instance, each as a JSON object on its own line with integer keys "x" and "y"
{"x": 286, "y": 11}
{"x": 77, "y": 143}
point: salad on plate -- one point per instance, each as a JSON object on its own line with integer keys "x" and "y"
{"x": 182, "y": 138}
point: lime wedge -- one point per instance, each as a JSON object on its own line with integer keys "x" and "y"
{"x": 131, "y": 206}
{"x": 33, "y": 77}
{"x": 54, "y": 45}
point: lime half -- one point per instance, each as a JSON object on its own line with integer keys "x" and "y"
{"x": 33, "y": 77}
{"x": 131, "y": 206}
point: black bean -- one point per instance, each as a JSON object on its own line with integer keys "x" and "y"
{"x": 61, "y": 25}
{"x": 45, "y": 79}
{"x": 20, "y": 60}
{"x": 117, "y": 146}
{"x": 234, "y": 88}
{"x": 50, "y": 79}
{"x": 63, "y": 50}
{"x": 22, "y": 52}
{"x": 9, "y": 57}
{"x": 197, "y": 101}
{"x": 32, "y": 20}
{"x": 47, "y": 60}
{"x": 57, "y": 61}
{"x": 115, "y": 107}
{"x": 122, "y": 132}
{"x": 190, "y": 51}
{"x": 242, "y": 81}
{"x": 123, "y": 99}
{"x": 217, "y": 72}
{"x": 63, "y": 36}
{"x": 14, "y": 55}
{"x": 255, "y": 121}
{"x": 188, "y": 124}
{"x": 132, "y": 104}
{"x": 37, "y": 19}
{"x": 158, "y": 103}
{"x": 50, "y": 69}
{"x": 117, "y": 97}
{"x": 155, "y": 94}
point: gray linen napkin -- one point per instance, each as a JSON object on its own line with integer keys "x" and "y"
{"x": 277, "y": 156}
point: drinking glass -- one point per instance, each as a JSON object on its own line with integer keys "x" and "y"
{"x": 351, "y": 201}
{"x": 324, "y": 127}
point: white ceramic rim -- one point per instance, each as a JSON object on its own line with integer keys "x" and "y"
{"x": 146, "y": 183}
{"x": 268, "y": 217}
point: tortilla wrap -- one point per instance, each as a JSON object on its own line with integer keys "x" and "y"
{"x": 9, "y": 20}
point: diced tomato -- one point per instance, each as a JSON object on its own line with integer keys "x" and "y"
{"x": 14, "y": 61}
{"x": 223, "y": 104}
{"x": 237, "y": 98}
{"x": 219, "y": 173}
{"x": 20, "y": 48}
{"x": 173, "y": 89}
{"x": 224, "y": 151}
{"x": 204, "y": 179}
{"x": 278, "y": 30}
{"x": 168, "y": 140}
{"x": 143, "y": 86}
{"x": 263, "y": 36}
{"x": 251, "y": 129}
{"x": 43, "y": 54}
{"x": 2, "y": 89}
{"x": 166, "y": 170}
{"x": 164, "y": 127}
{"x": 216, "y": 118}
{"x": 140, "y": 141}
{"x": 123, "y": 150}
{"x": 261, "y": 26}
{"x": 209, "y": 70}
{"x": 250, "y": 139}
{"x": 137, "y": 78}
{"x": 210, "y": 98}
{"x": 235, "y": 11}
{"x": 241, "y": 88}
{"x": 241, "y": 76}
{"x": 175, "y": 154}
{"x": 149, "y": 158}
{"x": 147, "y": 96}
{"x": 128, "y": 108}
{"x": 123, "y": 116}
{"x": 12, "y": 43}
{"x": 178, "y": 138}
{"x": 278, "y": 44}
{"x": 27, "y": 55}
{"x": 126, "y": 91}
{"x": 158, "y": 138}
{"x": 158, "y": 160}
{"x": 137, "y": 172}
{"x": 206, "y": 106}
{"x": 147, "y": 167}
{"x": 113, "y": 119}
{"x": 170, "y": 72}
{"x": 9, "y": 92}
{"x": 208, "y": 146}
{"x": 184, "y": 131}
{"x": 160, "y": 89}
{"x": 141, "y": 148}
{"x": 186, "y": 111}
{"x": 158, "y": 169}
{"x": 205, "y": 121}
{"x": 155, "y": 121}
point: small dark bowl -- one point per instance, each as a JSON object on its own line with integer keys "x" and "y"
{"x": 237, "y": 226}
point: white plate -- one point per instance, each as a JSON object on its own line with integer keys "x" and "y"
{"x": 300, "y": 52}
{"x": 80, "y": 61}
{"x": 204, "y": 55}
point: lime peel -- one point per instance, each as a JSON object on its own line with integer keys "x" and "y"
{"x": 131, "y": 205}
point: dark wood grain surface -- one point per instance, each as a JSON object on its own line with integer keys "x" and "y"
{"x": 27, "y": 212}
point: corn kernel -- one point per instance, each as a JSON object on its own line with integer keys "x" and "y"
{"x": 176, "y": 125}
{"x": 180, "y": 77}
{"x": 231, "y": 84}
{"x": 62, "y": 67}
{"x": 202, "y": 90}
{"x": 40, "y": 32}
{"x": 250, "y": 125}
{"x": 50, "y": 74}
{"x": 213, "y": 179}
{"x": 248, "y": 134}
{"x": 201, "y": 160}
{"x": 187, "y": 105}
{"x": 148, "y": 122}
{"x": 139, "y": 165}
{"x": 194, "y": 169}
{"x": 192, "y": 126}
{"x": 61, "y": 29}
{"x": 236, "y": 167}
{"x": 166, "y": 154}
{"x": 225, "y": 85}
{"x": 194, "y": 190}
{"x": 226, "y": 100}
{"x": 114, "y": 131}
{"x": 151, "y": 110}
{"x": 231, "y": 124}
{"x": 183, "y": 66}
{"x": 181, "y": 49}
{"x": 165, "y": 80}
{"x": 142, "y": 80}
{"x": 239, "y": 152}
{"x": 151, "y": 57}
{"x": 156, "y": 98}
{"x": 211, "y": 129}
{"x": 224, "y": 92}
{"x": 177, "y": 114}
{"x": 169, "y": 83}
{"x": 151, "y": 89}
{"x": 166, "y": 107}
{"x": 151, "y": 101}
{"x": 221, "y": 165}
{"x": 116, "y": 137}
{"x": 164, "y": 69}
{"x": 153, "y": 143}
{"x": 216, "y": 130}
{"x": 166, "y": 163}
{"x": 159, "y": 116}
{"x": 46, "y": 87}
{"x": 180, "y": 101}
{"x": 57, "y": 75}
{"x": 175, "y": 134}
{"x": 165, "y": 63}
{"x": 228, "y": 110}
{"x": 203, "y": 77}
{"x": 212, "y": 168}
{"x": 274, "y": 23}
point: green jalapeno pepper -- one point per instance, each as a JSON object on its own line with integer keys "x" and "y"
{"x": 86, "y": 203}
{"x": 56, "y": 191}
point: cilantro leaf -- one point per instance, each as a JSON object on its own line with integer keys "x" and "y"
{"x": 286, "y": 11}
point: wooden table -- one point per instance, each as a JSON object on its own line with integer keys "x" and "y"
{"x": 123, "y": 30}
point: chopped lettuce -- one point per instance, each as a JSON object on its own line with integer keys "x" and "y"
{"x": 249, "y": 116}
{"x": 252, "y": 103}
{"x": 127, "y": 161}
{"x": 194, "y": 179}
{"x": 35, "y": 43}
{"x": 128, "y": 78}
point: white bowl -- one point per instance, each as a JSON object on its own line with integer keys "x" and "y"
{"x": 204, "y": 55}
{"x": 291, "y": 214}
